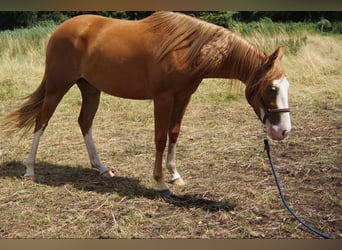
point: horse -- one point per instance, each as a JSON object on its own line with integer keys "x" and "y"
{"x": 163, "y": 57}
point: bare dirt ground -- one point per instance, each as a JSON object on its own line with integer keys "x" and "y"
{"x": 229, "y": 192}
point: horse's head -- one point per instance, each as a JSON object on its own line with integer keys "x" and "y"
{"x": 268, "y": 95}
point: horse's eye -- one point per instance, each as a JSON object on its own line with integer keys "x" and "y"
{"x": 274, "y": 89}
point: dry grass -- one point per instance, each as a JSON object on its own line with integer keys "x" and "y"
{"x": 230, "y": 192}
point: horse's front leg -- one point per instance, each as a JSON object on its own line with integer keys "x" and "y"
{"x": 174, "y": 129}
{"x": 176, "y": 179}
{"x": 163, "y": 106}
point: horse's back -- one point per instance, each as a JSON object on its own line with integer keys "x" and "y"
{"x": 85, "y": 28}
{"x": 116, "y": 56}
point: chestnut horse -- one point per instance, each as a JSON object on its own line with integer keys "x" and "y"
{"x": 163, "y": 57}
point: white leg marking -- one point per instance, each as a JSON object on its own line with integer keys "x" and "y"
{"x": 171, "y": 162}
{"x": 171, "y": 165}
{"x": 94, "y": 158}
{"x": 33, "y": 153}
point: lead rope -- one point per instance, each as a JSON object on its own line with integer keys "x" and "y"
{"x": 267, "y": 149}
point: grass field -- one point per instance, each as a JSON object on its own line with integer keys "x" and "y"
{"x": 229, "y": 191}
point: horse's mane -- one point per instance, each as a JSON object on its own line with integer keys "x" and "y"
{"x": 182, "y": 31}
{"x": 210, "y": 46}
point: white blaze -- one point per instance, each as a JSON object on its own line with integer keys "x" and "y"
{"x": 283, "y": 87}
{"x": 280, "y": 130}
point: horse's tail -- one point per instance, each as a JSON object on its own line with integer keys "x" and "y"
{"x": 25, "y": 116}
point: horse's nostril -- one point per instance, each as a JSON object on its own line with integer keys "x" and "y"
{"x": 284, "y": 133}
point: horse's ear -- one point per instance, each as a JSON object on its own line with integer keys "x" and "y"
{"x": 277, "y": 54}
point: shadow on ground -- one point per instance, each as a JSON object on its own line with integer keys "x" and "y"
{"x": 86, "y": 179}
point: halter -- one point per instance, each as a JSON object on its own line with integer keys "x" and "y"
{"x": 271, "y": 111}
{"x": 268, "y": 111}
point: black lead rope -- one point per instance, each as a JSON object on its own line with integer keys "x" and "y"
{"x": 267, "y": 149}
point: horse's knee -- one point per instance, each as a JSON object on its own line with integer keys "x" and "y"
{"x": 160, "y": 143}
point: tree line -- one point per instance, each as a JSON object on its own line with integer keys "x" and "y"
{"x": 23, "y": 19}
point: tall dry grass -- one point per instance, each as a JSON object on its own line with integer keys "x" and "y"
{"x": 22, "y": 60}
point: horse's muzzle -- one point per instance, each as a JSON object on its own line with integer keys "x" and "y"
{"x": 280, "y": 131}
{"x": 277, "y": 133}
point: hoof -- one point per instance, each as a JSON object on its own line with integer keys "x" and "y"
{"x": 28, "y": 177}
{"x": 165, "y": 193}
{"x": 178, "y": 182}
{"x": 107, "y": 174}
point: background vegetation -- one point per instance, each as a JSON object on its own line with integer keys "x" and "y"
{"x": 325, "y": 20}
{"x": 229, "y": 191}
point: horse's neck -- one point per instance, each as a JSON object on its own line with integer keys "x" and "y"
{"x": 233, "y": 58}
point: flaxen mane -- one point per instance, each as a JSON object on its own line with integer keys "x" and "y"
{"x": 182, "y": 31}
{"x": 211, "y": 47}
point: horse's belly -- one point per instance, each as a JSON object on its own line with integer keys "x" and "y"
{"x": 131, "y": 91}
{"x": 122, "y": 84}
{"x": 132, "y": 78}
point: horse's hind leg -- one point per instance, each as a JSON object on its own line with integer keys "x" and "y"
{"x": 53, "y": 95}
{"x": 29, "y": 163}
{"x": 90, "y": 103}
